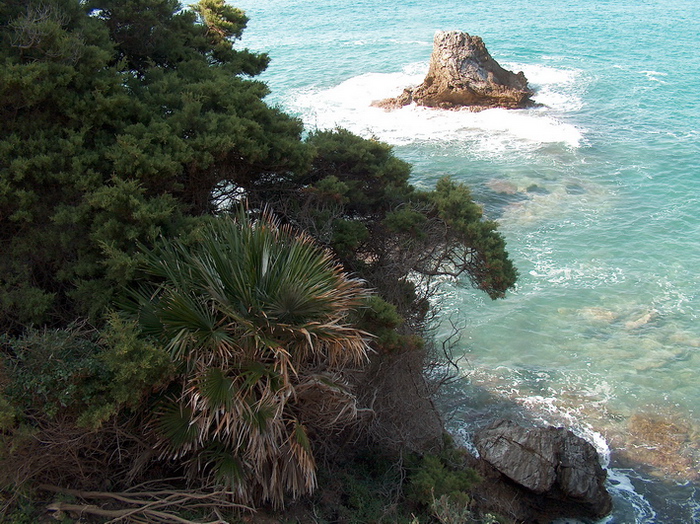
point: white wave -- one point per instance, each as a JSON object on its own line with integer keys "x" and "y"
{"x": 348, "y": 105}
{"x": 541, "y": 75}
{"x": 655, "y": 73}
{"x": 620, "y": 486}
{"x": 552, "y": 408}
{"x": 621, "y": 489}
{"x": 557, "y": 88}
{"x": 549, "y": 411}
{"x": 425, "y": 43}
{"x": 653, "y": 76}
{"x": 581, "y": 275}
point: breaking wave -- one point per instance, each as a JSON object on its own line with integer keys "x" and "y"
{"x": 348, "y": 105}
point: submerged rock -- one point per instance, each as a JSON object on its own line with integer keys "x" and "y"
{"x": 641, "y": 321}
{"x": 663, "y": 443}
{"x": 502, "y": 186}
{"x": 463, "y": 74}
{"x": 555, "y": 473}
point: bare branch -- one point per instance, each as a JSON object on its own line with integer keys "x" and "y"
{"x": 162, "y": 505}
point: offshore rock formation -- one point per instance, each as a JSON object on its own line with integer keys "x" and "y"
{"x": 463, "y": 74}
{"x": 551, "y": 472}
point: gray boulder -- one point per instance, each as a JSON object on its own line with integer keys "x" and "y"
{"x": 463, "y": 74}
{"x": 561, "y": 470}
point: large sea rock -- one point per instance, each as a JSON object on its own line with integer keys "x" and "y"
{"x": 549, "y": 473}
{"x": 463, "y": 74}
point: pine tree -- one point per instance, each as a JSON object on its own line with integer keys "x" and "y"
{"x": 120, "y": 117}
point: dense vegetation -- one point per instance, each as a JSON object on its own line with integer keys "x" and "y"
{"x": 120, "y": 118}
{"x": 189, "y": 288}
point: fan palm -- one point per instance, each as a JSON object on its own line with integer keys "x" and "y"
{"x": 257, "y": 319}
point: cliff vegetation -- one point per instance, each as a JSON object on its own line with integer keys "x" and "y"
{"x": 204, "y": 313}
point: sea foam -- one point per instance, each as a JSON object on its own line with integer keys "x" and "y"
{"x": 348, "y": 105}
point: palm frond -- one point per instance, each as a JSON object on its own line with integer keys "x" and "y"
{"x": 218, "y": 390}
{"x": 225, "y": 466}
{"x": 174, "y": 424}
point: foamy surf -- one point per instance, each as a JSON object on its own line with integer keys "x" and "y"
{"x": 620, "y": 486}
{"x": 557, "y": 89}
{"x": 348, "y": 105}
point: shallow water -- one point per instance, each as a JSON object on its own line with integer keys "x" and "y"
{"x": 597, "y": 194}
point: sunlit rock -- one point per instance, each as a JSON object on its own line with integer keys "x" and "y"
{"x": 462, "y": 73}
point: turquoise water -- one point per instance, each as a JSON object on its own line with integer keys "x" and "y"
{"x": 597, "y": 194}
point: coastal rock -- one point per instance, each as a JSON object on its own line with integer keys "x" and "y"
{"x": 561, "y": 471}
{"x": 502, "y": 186}
{"x": 641, "y": 321}
{"x": 463, "y": 74}
{"x": 526, "y": 456}
{"x": 662, "y": 443}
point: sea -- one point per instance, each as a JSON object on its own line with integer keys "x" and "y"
{"x": 596, "y": 191}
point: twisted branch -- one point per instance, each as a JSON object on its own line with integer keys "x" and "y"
{"x": 159, "y": 506}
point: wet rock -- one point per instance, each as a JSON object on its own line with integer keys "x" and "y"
{"x": 462, "y": 73}
{"x": 537, "y": 190}
{"x": 556, "y": 473}
{"x": 522, "y": 455}
{"x": 575, "y": 189}
{"x": 642, "y": 320}
{"x": 599, "y": 314}
{"x": 502, "y": 186}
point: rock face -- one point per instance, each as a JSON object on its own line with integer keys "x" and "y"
{"x": 463, "y": 74}
{"x": 561, "y": 470}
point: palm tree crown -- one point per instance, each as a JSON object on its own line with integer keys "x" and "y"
{"x": 257, "y": 319}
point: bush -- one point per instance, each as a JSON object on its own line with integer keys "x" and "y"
{"x": 362, "y": 488}
{"x": 52, "y": 371}
{"x": 432, "y": 479}
{"x": 447, "y": 474}
{"x": 78, "y": 373}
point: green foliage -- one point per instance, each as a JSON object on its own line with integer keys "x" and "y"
{"x": 485, "y": 260}
{"x": 223, "y": 21}
{"x": 382, "y": 319}
{"x": 348, "y": 236}
{"x": 453, "y": 509}
{"x": 432, "y": 479}
{"x": 125, "y": 123}
{"x": 74, "y": 373}
{"x": 406, "y": 220}
{"x": 53, "y": 371}
{"x": 119, "y": 118}
{"x": 369, "y": 486}
{"x": 357, "y": 199}
{"x": 380, "y": 314}
{"x": 330, "y": 190}
{"x": 8, "y": 414}
{"x": 136, "y": 366}
{"x": 455, "y": 204}
{"x": 25, "y": 515}
{"x": 373, "y": 178}
{"x": 362, "y": 489}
